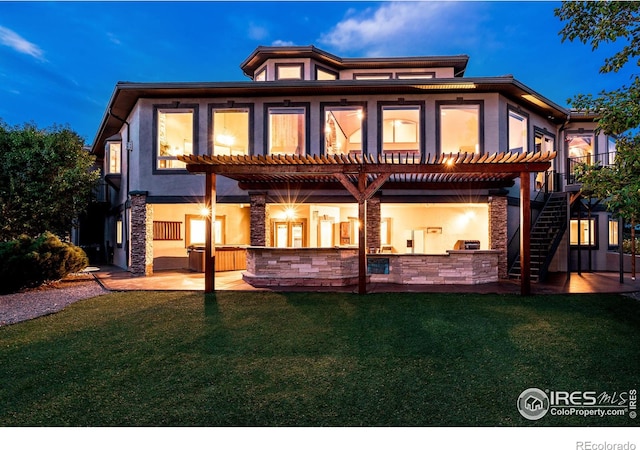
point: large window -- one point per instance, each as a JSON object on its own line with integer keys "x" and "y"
{"x": 518, "y": 135}
{"x": 583, "y": 233}
{"x": 402, "y": 129}
{"x": 287, "y": 131}
{"x": 231, "y": 131}
{"x": 581, "y": 147}
{"x": 175, "y": 133}
{"x": 343, "y": 130}
{"x": 460, "y": 129}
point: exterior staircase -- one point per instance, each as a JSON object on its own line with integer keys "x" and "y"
{"x": 546, "y": 234}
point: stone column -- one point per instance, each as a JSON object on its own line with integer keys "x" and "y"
{"x": 498, "y": 231}
{"x": 141, "y": 234}
{"x": 373, "y": 222}
{"x": 258, "y": 217}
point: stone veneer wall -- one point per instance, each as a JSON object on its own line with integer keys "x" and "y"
{"x": 268, "y": 266}
{"x": 373, "y": 222}
{"x": 498, "y": 232}
{"x": 456, "y": 267}
{"x": 258, "y": 218}
{"x": 141, "y": 234}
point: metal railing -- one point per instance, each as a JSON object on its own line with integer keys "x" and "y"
{"x": 601, "y": 159}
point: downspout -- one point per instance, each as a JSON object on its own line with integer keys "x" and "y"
{"x": 126, "y": 216}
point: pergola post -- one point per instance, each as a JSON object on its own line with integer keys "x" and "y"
{"x": 209, "y": 248}
{"x": 362, "y": 247}
{"x": 525, "y": 233}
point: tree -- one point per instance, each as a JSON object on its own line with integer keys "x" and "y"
{"x": 46, "y": 180}
{"x": 618, "y": 184}
{"x": 604, "y": 22}
{"x": 618, "y": 111}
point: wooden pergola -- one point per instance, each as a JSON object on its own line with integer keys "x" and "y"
{"x": 363, "y": 176}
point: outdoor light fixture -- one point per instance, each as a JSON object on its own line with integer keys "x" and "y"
{"x": 290, "y": 213}
{"x": 204, "y": 211}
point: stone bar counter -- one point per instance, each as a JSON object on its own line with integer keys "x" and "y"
{"x": 338, "y": 266}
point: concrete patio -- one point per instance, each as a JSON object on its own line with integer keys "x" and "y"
{"x": 117, "y": 279}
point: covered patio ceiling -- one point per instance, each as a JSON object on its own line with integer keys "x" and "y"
{"x": 364, "y": 175}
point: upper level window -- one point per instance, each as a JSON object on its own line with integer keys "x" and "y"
{"x": 261, "y": 76}
{"x": 544, "y": 142}
{"x": 323, "y": 74}
{"x": 289, "y": 71}
{"x": 581, "y": 147}
{"x": 415, "y": 75}
{"x": 518, "y": 135}
{"x": 401, "y": 129}
{"x": 372, "y": 76}
{"x": 175, "y": 136}
{"x": 611, "y": 151}
{"x": 231, "y": 131}
{"x": 287, "y": 131}
{"x": 114, "y": 151}
{"x": 460, "y": 128}
{"x": 343, "y": 129}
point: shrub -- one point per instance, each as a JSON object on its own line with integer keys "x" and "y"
{"x": 626, "y": 246}
{"x": 27, "y": 262}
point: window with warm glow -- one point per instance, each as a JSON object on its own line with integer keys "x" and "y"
{"x": 518, "y": 136}
{"x": 261, "y": 76}
{"x": 175, "y": 137}
{"x": 401, "y": 129}
{"x": 415, "y": 76}
{"x": 584, "y": 232}
{"x": 343, "y": 130}
{"x": 196, "y": 230}
{"x": 613, "y": 232}
{"x": 289, "y": 71}
{"x": 460, "y": 128}
{"x": 545, "y": 143}
{"x": 581, "y": 146}
{"x": 325, "y": 74}
{"x": 287, "y": 131}
{"x": 231, "y": 132}
{"x": 372, "y": 76}
{"x": 119, "y": 232}
{"x": 114, "y": 157}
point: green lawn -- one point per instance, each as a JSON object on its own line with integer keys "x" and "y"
{"x": 299, "y": 359}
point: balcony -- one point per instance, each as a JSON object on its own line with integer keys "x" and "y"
{"x": 601, "y": 159}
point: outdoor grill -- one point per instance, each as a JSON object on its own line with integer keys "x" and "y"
{"x": 467, "y": 245}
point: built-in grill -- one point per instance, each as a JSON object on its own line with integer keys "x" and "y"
{"x": 467, "y": 245}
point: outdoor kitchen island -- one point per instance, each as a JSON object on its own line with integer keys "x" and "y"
{"x": 338, "y": 266}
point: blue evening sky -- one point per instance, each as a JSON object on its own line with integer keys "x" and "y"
{"x": 60, "y": 61}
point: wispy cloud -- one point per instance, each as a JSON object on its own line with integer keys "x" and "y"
{"x": 380, "y": 30}
{"x": 257, "y": 32}
{"x": 281, "y": 43}
{"x": 11, "y": 39}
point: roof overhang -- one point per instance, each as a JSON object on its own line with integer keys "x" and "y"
{"x": 126, "y": 95}
{"x": 263, "y": 53}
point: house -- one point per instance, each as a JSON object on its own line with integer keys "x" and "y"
{"x": 323, "y": 170}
